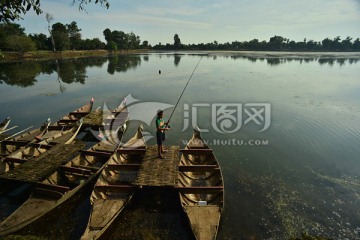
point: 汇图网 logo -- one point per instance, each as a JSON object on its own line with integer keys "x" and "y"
{"x": 229, "y": 117}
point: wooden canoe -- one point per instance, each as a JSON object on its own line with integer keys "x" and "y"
{"x": 4, "y": 124}
{"x": 34, "y": 149}
{"x": 59, "y": 187}
{"x": 114, "y": 189}
{"x": 201, "y": 188}
{"x": 76, "y": 115}
{"x": 12, "y": 144}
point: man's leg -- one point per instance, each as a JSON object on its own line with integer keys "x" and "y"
{"x": 160, "y": 151}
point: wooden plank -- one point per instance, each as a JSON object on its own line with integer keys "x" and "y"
{"x": 198, "y": 168}
{"x": 93, "y": 169}
{"x": 59, "y": 128}
{"x": 14, "y": 160}
{"x": 38, "y": 168}
{"x": 131, "y": 150}
{"x": 67, "y": 121}
{"x": 79, "y": 113}
{"x": 196, "y": 151}
{"x": 76, "y": 170}
{"x": 44, "y": 146}
{"x": 95, "y": 153}
{"x": 53, "y": 187}
{"x": 19, "y": 143}
{"x": 48, "y": 193}
{"x": 124, "y": 167}
{"x": 201, "y": 189}
{"x": 115, "y": 188}
{"x": 104, "y": 210}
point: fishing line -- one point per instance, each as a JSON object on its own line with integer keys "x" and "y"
{"x": 184, "y": 90}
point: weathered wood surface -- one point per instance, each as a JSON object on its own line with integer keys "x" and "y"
{"x": 159, "y": 172}
{"x": 103, "y": 211}
{"x": 204, "y": 221}
{"x": 39, "y": 168}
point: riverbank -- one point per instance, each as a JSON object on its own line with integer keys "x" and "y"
{"x": 46, "y": 55}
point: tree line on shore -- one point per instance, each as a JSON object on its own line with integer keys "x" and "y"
{"x": 68, "y": 37}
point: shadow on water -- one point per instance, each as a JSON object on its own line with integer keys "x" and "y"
{"x": 152, "y": 214}
{"x": 24, "y": 74}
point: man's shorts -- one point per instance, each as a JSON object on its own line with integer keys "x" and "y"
{"x": 160, "y": 137}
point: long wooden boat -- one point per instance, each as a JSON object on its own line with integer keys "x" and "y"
{"x": 12, "y": 144}
{"x": 4, "y": 124}
{"x": 201, "y": 188}
{"x": 76, "y": 115}
{"x": 35, "y": 149}
{"x": 114, "y": 189}
{"x": 60, "y": 186}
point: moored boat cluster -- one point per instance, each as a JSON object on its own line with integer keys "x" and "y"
{"x": 111, "y": 170}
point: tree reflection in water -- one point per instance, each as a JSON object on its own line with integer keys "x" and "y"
{"x": 24, "y": 74}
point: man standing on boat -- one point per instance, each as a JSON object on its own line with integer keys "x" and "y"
{"x": 161, "y": 127}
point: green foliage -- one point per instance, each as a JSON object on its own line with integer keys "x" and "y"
{"x": 108, "y": 35}
{"x": 62, "y": 41}
{"x": 11, "y": 10}
{"x": 74, "y": 35}
{"x": 145, "y": 44}
{"x": 276, "y": 43}
{"x": 177, "y": 42}
{"x": 9, "y": 29}
{"x": 82, "y": 3}
{"x": 61, "y": 37}
{"x": 111, "y": 46}
{"x": 20, "y": 44}
{"x": 92, "y": 44}
{"x": 123, "y": 41}
{"x": 41, "y": 41}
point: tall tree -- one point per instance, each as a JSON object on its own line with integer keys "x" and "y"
{"x": 134, "y": 41}
{"x": 177, "y": 42}
{"x": 145, "y": 44}
{"x": 12, "y": 10}
{"x": 108, "y": 35}
{"x": 121, "y": 40}
{"x": 276, "y": 43}
{"x": 74, "y": 35}
{"x": 60, "y": 35}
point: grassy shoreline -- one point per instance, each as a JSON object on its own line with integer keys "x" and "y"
{"x": 46, "y": 55}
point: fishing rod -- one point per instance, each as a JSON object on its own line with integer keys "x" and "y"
{"x": 183, "y": 91}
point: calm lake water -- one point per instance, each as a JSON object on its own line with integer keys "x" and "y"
{"x": 285, "y": 130}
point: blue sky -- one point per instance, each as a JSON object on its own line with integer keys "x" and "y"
{"x": 197, "y": 21}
